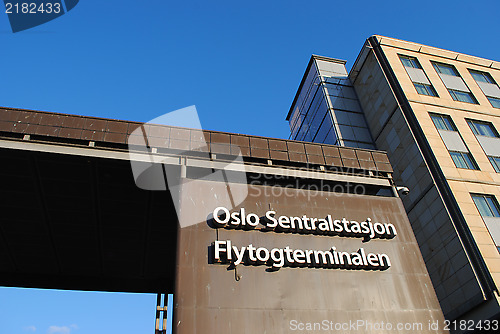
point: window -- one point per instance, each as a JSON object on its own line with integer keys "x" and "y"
{"x": 445, "y": 69}
{"x": 488, "y": 86}
{"x": 482, "y": 76}
{"x": 482, "y": 128}
{"x": 495, "y": 162}
{"x": 424, "y": 89}
{"x": 454, "y": 83}
{"x": 460, "y": 154}
{"x": 417, "y": 76}
{"x": 462, "y": 96}
{"x": 494, "y": 102}
{"x": 486, "y": 129}
{"x": 443, "y": 122}
{"x": 410, "y": 62}
{"x": 463, "y": 160}
{"x": 486, "y": 205}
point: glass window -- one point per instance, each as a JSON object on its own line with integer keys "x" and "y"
{"x": 330, "y": 138}
{"x": 486, "y": 77}
{"x": 463, "y": 160}
{"x": 410, "y": 62}
{"x": 486, "y": 205}
{"x": 317, "y": 120}
{"x": 494, "y": 102}
{"x": 445, "y": 69}
{"x": 443, "y": 122}
{"x": 462, "y": 96}
{"x": 482, "y": 128}
{"x": 423, "y": 89}
{"x": 326, "y": 125}
{"x": 482, "y": 76}
{"x": 495, "y": 162}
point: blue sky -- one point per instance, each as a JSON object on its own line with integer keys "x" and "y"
{"x": 33, "y": 311}
{"x": 240, "y": 63}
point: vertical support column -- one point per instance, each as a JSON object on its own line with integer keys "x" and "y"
{"x": 183, "y": 174}
{"x": 161, "y": 313}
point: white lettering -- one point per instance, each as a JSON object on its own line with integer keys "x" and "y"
{"x": 225, "y": 214}
{"x": 270, "y": 217}
{"x": 218, "y": 249}
{"x": 239, "y": 255}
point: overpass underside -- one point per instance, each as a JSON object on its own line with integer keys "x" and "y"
{"x": 80, "y": 223}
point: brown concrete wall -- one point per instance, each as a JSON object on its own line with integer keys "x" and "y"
{"x": 209, "y": 299}
{"x": 105, "y": 133}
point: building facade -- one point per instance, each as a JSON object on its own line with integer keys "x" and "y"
{"x": 326, "y": 108}
{"x": 295, "y": 237}
{"x": 436, "y": 114}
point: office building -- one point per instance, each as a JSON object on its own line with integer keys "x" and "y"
{"x": 436, "y": 114}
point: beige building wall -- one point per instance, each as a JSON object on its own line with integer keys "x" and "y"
{"x": 384, "y": 88}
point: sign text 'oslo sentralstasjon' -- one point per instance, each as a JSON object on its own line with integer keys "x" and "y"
{"x": 226, "y": 252}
